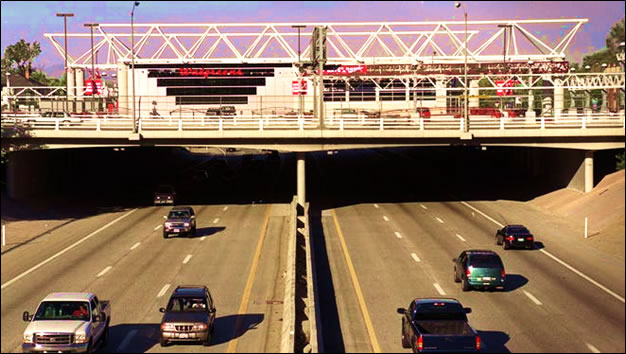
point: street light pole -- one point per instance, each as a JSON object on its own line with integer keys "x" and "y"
{"x": 132, "y": 39}
{"x": 300, "y": 96}
{"x": 93, "y": 70}
{"x": 466, "y": 117}
{"x": 65, "y": 16}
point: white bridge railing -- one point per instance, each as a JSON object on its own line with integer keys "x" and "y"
{"x": 275, "y": 122}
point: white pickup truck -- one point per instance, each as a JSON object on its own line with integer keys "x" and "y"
{"x": 67, "y": 322}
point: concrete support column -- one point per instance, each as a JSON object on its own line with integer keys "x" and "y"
{"x": 473, "y": 100}
{"x": 301, "y": 178}
{"x": 604, "y": 107}
{"x": 588, "y": 171}
{"x": 440, "y": 95}
{"x": 80, "y": 89}
{"x": 122, "y": 89}
{"x": 559, "y": 98}
{"x": 71, "y": 88}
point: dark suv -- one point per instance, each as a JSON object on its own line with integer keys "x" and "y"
{"x": 479, "y": 269}
{"x": 515, "y": 236}
{"x": 164, "y": 194}
{"x": 189, "y": 316}
{"x": 180, "y": 220}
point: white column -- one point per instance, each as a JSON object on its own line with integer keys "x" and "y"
{"x": 301, "y": 178}
{"x": 80, "y": 89}
{"x": 473, "y": 92}
{"x": 588, "y": 171}
{"x": 122, "y": 88}
{"x": 440, "y": 95}
{"x": 71, "y": 88}
{"x": 559, "y": 98}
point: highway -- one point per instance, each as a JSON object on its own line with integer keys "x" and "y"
{"x": 380, "y": 256}
{"x": 130, "y": 264}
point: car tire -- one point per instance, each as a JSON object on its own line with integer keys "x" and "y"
{"x": 531, "y": 246}
{"x": 456, "y": 278}
{"x": 165, "y": 235}
{"x": 466, "y": 286}
{"x": 105, "y": 336}
{"x": 193, "y": 231}
{"x": 405, "y": 343}
{"x": 163, "y": 342}
{"x": 207, "y": 342}
{"x": 506, "y": 245}
{"x": 498, "y": 241}
{"x": 89, "y": 347}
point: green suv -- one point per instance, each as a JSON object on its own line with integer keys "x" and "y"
{"x": 479, "y": 269}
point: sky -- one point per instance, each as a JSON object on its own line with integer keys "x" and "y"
{"x": 29, "y": 20}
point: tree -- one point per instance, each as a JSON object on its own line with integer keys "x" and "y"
{"x": 21, "y": 55}
{"x": 615, "y": 36}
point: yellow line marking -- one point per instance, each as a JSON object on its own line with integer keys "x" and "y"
{"x": 357, "y": 287}
{"x": 243, "y": 307}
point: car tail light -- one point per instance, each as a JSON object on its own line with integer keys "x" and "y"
{"x": 502, "y": 274}
{"x": 169, "y": 197}
{"x": 477, "y": 343}
{"x": 158, "y": 197}
{"x": 420, "y": 343}
{"x": 529, "y": 238}
{"x": 468, "y": 272}
{"x": 510, "y": 238}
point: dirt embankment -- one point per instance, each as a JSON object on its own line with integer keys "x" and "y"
{"x": 603, "y": 207}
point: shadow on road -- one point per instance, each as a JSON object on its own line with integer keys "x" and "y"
{"x": 514, "y": 282}
{"x": 225, "y": 326}
{"x": 207, "y": 231}
{"x": 493, "y": 341}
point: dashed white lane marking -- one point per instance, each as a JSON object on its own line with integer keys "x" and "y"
{"x": 460, "y": 237}
{"x": 558, "y": 260}
{"x": 135, "y": 246}
{"x": 534, "y": 299}
{"x": 64, "y": 250}
{"x": 216, "y": 220}
{"x": 386, "y": 218}
{"x": 158, "y": 227}
{"x": 375, "y": 205}
{"x": 439, "y": 289}
{"x": 202, "y": 238}
{"x": 126, "y": 340}
{"x": 104, "y": 271}
{"x": 592, "y": 348}
{"x": 415, "y": 257}
{"x": 423, "y": 206}
{"x": 441, "y": 221}
{"x": 398, "y": 235}
{"x": 225, "y": 208}
{"x": 187, "y": 259}
{"x": 163, "y": 290}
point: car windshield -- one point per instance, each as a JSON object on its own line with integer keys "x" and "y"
{"x": 165, "y": 189}
{"x": 485, "y": 261}
{"x": 63, "y": 310}
{"x": 439, "y": 311}
{"x": 178, "y": 214}
{"x": 187, "y": 304}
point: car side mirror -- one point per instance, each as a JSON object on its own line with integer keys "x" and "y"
{"x": 467, "y": 309}
{"x": 26, "y": 317}
{"x": 193, "y": 216}
{"x": 453, "y": 260}
{"x": 401, "y": 310}
{"x": 162, "y": 310}
{"x": 213, "y": 310}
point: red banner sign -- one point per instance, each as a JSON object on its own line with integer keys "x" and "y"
{"x": 347, "y": 70}
{"x": 89, "y": 87}
{"x": 209, "y": 72}
{"x": 298, "y": 87}
{"x": 507, "y": 83}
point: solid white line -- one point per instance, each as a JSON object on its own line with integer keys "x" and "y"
{"x": 216, "y": 220}
{"x": 126, "y": 340}
{"x": 439, "y": 289}
{"x": 415, "y": 257}
{"x": 386, "y": 218}
{"x": 460, "y": 237}
{"x": 375, "y": 205}
{"x": 187, "y": 259}
{"x": 158, "y": 227}
{"x": 104, "y": 271}
{"x": 202, "y": 238}
{"x": 584, "y": 276}
{"x": 64, "y": 250}
{"x": 135, "y": 246}
{"x": 398, "y": 235}
{"x": 592, "y": 348}
{"x": 423, "y": 206}
{"x": 225, "y": 208}
{"x": 163, "y": 290}
{"x": 534, "y": 299}
{"x": 481, "y": 213}
{"x": 441, "y": 221}
{"x": 615, "y": 295}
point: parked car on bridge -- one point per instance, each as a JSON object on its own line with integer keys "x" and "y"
{"x": 189, "y": 316}
{"x": 515, "y": 236}
{"x": 67, "y": 322}
{"x": 165, "y": 194}
{"x": 51, "y": 118}
{"x": 479, "y": 269}
{"x": 438, "y": 325}
{"x": 223, "y": 111}
{"x": 179, "y": 220}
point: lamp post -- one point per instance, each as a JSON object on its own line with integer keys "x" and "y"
{"x": 465, "y": 117}
{"x": 93, "y": 69}
{"x": 132, "y": 39}
{"x": 300, "y": 97}
{"x": 530, "y": 112}
{"x": 65, "y": 16}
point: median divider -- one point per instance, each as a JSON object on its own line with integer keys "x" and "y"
{"x": 288, "y": 330}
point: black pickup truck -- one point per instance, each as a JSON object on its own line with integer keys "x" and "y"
{"x": 438, "y": 325}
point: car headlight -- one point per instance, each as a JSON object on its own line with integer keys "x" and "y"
{"x": 168, "y": 327}
{"x": 28, "y": 338}
{"x": 168, "y": 224}
{"x": 80, "y": 338}
{"x": 200, "y": 326}
{"x": 186, "y": 224}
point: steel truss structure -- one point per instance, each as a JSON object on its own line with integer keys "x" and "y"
{"x": 348, "y": 43}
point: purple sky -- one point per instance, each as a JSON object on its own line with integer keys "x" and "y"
{"x": 30, "y": 20}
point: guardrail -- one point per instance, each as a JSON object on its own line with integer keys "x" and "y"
{"x": 222, "y": 123}
{"x": 289, "y": 303}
